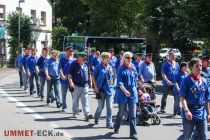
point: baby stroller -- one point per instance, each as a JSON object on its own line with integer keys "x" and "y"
{"x": 147, "y": 108}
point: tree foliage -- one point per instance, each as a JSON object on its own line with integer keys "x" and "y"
{"x": 58, "y": 34}
{"x": 12, "y": 30}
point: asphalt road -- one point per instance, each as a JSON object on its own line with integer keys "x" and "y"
{"x": 29, "y": 116}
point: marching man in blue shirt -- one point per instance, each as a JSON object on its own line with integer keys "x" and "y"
{"x": 19, "y": 67}
{"x": 168, "y": 70}
{"x": 178, "y": 77}
{"x": 64, "y": 68}
{"x": 137, "y": 63}
{"x": 147, "y": 70}
{"x": 41, "y": 63}
{"x": 78, "y": 79}
{"x": 103, "y": 76}
{"x": 53, "y": 77}
{"x": 32, "y": 72}
{"x": 195, "y": 99}
{"x": 23, "y": 63}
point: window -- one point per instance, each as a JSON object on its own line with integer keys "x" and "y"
{"x": 2, "y": 12}
{"x": 33, "y": 16}
{"x": 43, "y": 18}
{"x": 42, "y": 44}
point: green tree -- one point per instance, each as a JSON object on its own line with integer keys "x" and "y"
{"x": 114, "y": 17}
{"x": 72, "y": 14}
{"x": 12, "y": 30}
{"x": 58, "y": 34}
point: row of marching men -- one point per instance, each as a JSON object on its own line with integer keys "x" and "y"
{"x": 73, "y": 76}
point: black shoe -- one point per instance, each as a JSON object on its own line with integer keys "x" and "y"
{"x": 96, "y": 122}
{"x": 116, "y": 131}
{"x": 88, "y": 117}
{"x": 162, "y": 111}
{"x": 52, "y": 100}
{"x": 59, "y": 105}
{"x": 42, "y": 97}
{"x": 134, "y": 137}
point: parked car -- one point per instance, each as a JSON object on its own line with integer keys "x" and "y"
{"x": 164, "y": 52}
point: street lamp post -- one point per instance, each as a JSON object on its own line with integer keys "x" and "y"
{"x": 19, "y": 24}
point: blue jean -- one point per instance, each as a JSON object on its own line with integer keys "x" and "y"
{"x": 80, "y": 92}
{"x": 64, "y": 90}
{"x": 53, "y": 83}
{"x": 101, "y": 102}
{"x": 32, "y": 83}
{"x": 177, "y": 109}
{"x": 21, "y": 79}
{"x": 42, "y": 83}
{"x": 189, "y": 126}
{"x": 166, "y": 92}
{"x": 25, "y": 81}
{"x": 132, "y": 117}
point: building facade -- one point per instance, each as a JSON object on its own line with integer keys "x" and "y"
{"x": 40, "y": 12}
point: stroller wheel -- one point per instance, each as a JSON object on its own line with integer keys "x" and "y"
{"x": 156, "y": 120}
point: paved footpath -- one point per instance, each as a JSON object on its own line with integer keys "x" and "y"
{"x": 20, "y": 111}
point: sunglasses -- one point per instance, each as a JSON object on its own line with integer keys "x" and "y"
{"x": 197, "y": 66}
{"x": 128, "y": 58}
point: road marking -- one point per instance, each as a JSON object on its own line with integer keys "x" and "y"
{"x": 33, "y": 113}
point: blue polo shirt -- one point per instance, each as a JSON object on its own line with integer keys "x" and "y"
{"x": 31, "y": 64}
{"x": 147, "y": 71}
{"x": 117, "y": 64}
{"x": 206, "y": 74}
{"x": 41, "y": 63}
{"x": 79, "y": 73}
{"x": 195, "y": 94}
{"x": 169, "y": 70}
{"x": 23, "y": 62}
{"x": 104, "y": 78}
{"x": 64, "y": 66}
{"x": 112, "y": 61}
{"x": 91, "y": 57}
{"x": 53, "y": 68}
{"x": 178, "y": 77}
{"x": 126, "y": 78}
{"x": 95, "y": 61}
{"x": 137, "y": 65}
{"x": 18, "y": 62}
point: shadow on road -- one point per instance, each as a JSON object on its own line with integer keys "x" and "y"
{"x": 106, "y": 136}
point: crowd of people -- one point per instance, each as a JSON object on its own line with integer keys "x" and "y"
{"x": 115, "y": 80}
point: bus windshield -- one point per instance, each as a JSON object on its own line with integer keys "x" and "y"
{"x": 105, "y": 43}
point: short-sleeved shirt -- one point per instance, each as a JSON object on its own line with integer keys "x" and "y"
{"x": 95, "y": 61}
{"x": 148, "y": 72}
{"x": 112, "y": 61}
{"x": 195, "y": 94}
{"x": 53, "y": 68}
{"x": 23, "y": 62}
{"x": 41, "y": 63}
{"x": 91, "y": 57}
{"x": 117, "y": 64}
{"x": 178, "y": 77}
{"x": 127, "y": 78}
{"x": 137, "y": 65}
{"x": 104, "y": 78}
{"x": 206, "y": 74}
{"x": 64, "y": 66}
{"x": 18, "y": 62}
{"x": 79, "y": 73}
{"x": 169, "y": 70}
{"x": 31, "y": 64}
